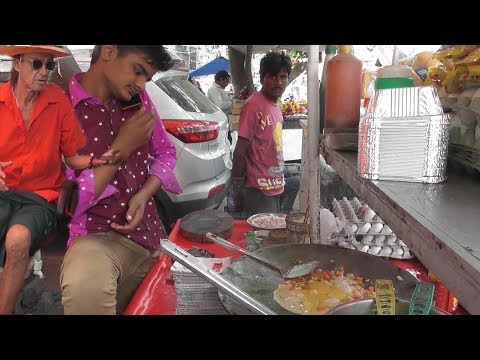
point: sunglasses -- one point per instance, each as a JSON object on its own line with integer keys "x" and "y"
{"x": 37, "y": 64}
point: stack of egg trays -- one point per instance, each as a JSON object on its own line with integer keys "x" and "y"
{"x": 363, "y": 230}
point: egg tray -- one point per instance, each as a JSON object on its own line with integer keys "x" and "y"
{"x": 365, "y": 231}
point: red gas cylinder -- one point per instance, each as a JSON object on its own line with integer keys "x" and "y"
{"x": 442, "y": 297}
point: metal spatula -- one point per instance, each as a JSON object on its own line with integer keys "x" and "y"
{"x": 287, "y": 272}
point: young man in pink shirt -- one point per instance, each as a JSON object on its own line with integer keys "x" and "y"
{"x": 259, "y": 184}
{"x": 115, "y": 232}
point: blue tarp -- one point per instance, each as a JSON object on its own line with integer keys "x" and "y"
{"x": 212, "y": 67}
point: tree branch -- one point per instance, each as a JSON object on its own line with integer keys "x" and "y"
{"x": 297, "y": 70}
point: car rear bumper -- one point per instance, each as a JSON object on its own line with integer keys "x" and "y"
{"x": 175, "y": 208}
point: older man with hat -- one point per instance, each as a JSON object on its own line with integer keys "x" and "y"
{"x": 37, "y": 127}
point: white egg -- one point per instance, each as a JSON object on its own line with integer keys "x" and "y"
{"x": 386, "y": 230}
{"x": 386, "y": 251}
{"x": 376, "y": 228}
{"x": 374, "y": 250}
{"x": 401, "y": 243}
{"x": 365, "y": 248}
{"x": 368, "y": 239}
{"x": 392, "y": 240}
{"x": 397, "y": 251}
{"x": 344, "y": 243}
{"x": 354, "y": 228}
{"x": 379, "y": 240}
{"x": 364, "y": 228}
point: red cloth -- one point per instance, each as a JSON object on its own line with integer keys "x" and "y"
{"x": 156, "y": 294}
{"x": 421, "y": 271}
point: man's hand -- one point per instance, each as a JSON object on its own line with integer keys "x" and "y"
{"x": 136, "y": 208}
{"x": 3, "y": 165}
{"x": 134, "y": 133}
{"x": 111, "y": 157}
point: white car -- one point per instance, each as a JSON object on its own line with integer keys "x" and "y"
{"x": 5, "y": 68}
{"x": 198, "y": 129}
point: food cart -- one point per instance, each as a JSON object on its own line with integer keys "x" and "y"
{"x": 436, "y": 221}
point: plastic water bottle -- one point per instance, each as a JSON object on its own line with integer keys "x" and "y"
{"x": 252, "y": 243}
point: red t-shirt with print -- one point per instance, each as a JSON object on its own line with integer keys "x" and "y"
{"x": 261, "y": 122}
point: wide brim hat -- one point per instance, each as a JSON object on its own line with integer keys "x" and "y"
{"x": 14, "y": 50}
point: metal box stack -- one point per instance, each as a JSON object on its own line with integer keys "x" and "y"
{"x": 404, "y": 136}
{"x": 196, "y": 296}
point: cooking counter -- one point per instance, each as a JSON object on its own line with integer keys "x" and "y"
{"x": 156, "y": 294}
{"x": 440, "y": 223}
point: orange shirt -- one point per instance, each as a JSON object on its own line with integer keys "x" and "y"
{"x": 37, "y": 152}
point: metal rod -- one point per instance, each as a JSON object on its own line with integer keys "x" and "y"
{"x": 395, "y": 55}
{"x": 313, "y": 143}
{"x": 303, "y": 197}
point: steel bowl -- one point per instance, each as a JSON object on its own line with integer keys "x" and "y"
{"x": 368, "y": 307}
{"x": 255, "y": 221}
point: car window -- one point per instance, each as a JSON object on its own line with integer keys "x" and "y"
{"x": 5, "y": 68}
{"x": 186, "y": 95}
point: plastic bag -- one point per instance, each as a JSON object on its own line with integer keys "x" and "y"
{"x": 328, "y": 226}
{"x": 475, "y": 104}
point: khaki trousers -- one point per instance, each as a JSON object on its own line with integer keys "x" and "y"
{"x": 100, "y": 273}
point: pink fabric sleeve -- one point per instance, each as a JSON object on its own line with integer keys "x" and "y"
{"x": 162, "y": 152}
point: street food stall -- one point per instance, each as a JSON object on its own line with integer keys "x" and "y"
{"x": 157, "y": 294}
{"x": 414, "y": 233}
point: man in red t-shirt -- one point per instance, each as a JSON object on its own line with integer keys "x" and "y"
{"x": 258, "y": 167}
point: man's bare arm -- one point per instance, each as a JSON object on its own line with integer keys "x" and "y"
{"x": 239, "y": 155}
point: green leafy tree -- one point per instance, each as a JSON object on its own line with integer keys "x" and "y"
{"x": 299, "y": 63}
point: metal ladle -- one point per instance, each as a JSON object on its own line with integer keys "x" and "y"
{"x": 286, "y": 272}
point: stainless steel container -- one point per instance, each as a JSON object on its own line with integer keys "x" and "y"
{"x": 297, "y": 227}
{"x": 368, "y": 307}
{"x": 404, "y": 136}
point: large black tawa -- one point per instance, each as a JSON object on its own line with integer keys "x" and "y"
{"x": 260, "y": 281}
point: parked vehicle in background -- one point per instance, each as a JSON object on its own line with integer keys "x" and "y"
{"x": 198, "y": 130}
{"x": 82, "y": 57}
{"x": 5, "y": 68}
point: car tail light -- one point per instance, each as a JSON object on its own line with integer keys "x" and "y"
{"x": 192, "y": 131}
{"x": 217, "y": 189}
